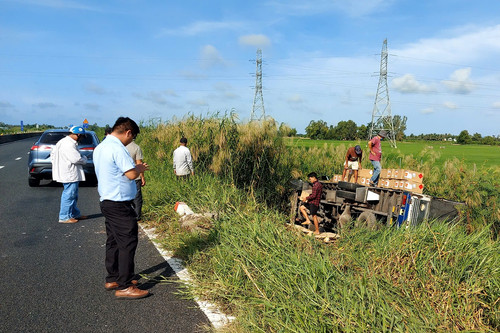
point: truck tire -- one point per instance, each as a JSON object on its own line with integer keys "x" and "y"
{"x": 346, "y": 194}
{"x": 348, "y": 186}
{"x": 367, "y": 219}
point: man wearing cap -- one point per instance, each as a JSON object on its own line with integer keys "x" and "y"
{"x": 352, "y": 162}
{"x": 67, "y": 168}
{"x": 376, "y": 156}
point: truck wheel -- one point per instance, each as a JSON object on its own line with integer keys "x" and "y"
{"x": 346, "y": 194}
{"x": 348, "y": 186}
{"x": 33, "y": 182}
{"x": 367, "y": 219}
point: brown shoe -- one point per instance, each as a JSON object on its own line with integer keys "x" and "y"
{"x": 71, "y": 220}
{"x": 131, "y": 292}
{"x": 114, "y": 285}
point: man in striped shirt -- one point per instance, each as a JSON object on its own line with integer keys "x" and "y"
{"x": 312, "y": 202}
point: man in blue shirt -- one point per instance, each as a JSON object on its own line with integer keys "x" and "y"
{"x": 116, "y": 172}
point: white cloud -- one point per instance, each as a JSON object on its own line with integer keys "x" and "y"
{"x": 496, "y": 105}
{"x": 407, "y": 84}
{"x": 198, "y": 102}
{"x": 295, "y": 99}
{"x": 450, "y": 105}
{"x": 202, "y": 27}
{"x": 427, "y": 111}
{"x": 95, "y": 89}
{"x": 460, "y": 81}
{"x": 211, "y": 57}
{"x": 351, "y": 8}
{"x": 260, "y": 41}
{"x": 4, "y": 105}
{"x": 468, "y": 44}
{"x": 156, "y": 97}
{"x": 92, "y": 106}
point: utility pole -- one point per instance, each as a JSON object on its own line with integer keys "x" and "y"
{"x": 381, "y": 115}
{"x": 258, "y": 111}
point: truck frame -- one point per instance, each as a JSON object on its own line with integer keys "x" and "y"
{"x": 373, "y": 207}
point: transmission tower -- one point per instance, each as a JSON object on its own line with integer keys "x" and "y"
{"x": 381, "y": 115}
{"x": 258, "y": 111}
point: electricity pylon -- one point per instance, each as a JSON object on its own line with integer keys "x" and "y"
{"x": 258, "y": 111}
{"x": 381, "y": 115}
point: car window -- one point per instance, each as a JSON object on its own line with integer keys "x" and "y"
{"x": 86, "y": 140}
{"x": 52, "y": 138}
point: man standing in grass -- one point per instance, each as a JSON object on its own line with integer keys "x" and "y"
{"x": 352, "y": 162}
{"x": 376, "y": 156}
{"x": 312, "y": 202}
{"x": 183, "y": 162}
{"x": 136, "y": 153}
{"x": 116, "y": 173}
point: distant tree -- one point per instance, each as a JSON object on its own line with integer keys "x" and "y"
{"x": 362, "y": 132}
{"x": 346, "y": 130}
{"x": 464, "y": 138}
{"x": 317, "y": 130}
{"x": 476, "y": 138}
{"x": 489, "y": 140}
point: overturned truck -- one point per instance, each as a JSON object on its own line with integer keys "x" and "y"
{"x": 373, "y": 207}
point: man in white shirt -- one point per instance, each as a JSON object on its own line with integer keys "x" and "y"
{"x": 183, "y": 162}
{"x": 136, "y": 153}
{"x": 67, "y": 168}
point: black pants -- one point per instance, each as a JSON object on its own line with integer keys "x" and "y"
{"x": 138, "y": 199}
{"x": 121, "y": 242}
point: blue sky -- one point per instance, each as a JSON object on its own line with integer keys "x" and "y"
{"x": 62, "y": 61}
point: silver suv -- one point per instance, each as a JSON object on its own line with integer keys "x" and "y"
{"x": 40, "y": 166}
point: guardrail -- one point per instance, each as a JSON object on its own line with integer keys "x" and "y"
{"x": 15, "y": 137}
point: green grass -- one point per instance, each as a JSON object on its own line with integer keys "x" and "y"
{"x": 435, "y": 277}
{"x": 480, "y": 155}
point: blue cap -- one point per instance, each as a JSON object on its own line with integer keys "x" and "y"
{"x": 77, "y": 130}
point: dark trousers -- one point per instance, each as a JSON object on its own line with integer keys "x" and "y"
{"x": 138, "y": 199}
{"x": 121, "y": 242}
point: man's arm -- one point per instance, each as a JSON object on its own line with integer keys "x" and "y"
{"x": 143, "y": 180}
{"x": 136, "y": 172}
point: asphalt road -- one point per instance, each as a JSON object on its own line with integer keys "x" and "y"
{"x": 52, "y": 274}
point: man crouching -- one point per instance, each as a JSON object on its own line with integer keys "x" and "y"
{"x": 312, "y": 202}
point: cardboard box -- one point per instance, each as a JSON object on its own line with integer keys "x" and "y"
{"x": 384, "y": 173}
{"x": 384, "y": 183}
{"x": 413, "y": 176}
{"x": 305, "y": 194}
{"x": 337, "y": 178}
{"x": 365, "y": 173}
{"x": 413, "y": 187}
{"x": 397, "y": 173}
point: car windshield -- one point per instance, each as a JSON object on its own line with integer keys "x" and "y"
{"x": 51, "y": 138}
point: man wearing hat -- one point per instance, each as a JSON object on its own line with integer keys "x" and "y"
{"x": 352, "y": 162}
{"x": 67, "y": 168}
{"x": 376, "y": 155}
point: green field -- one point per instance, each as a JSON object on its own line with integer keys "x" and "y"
{"x": 480, "y": 155}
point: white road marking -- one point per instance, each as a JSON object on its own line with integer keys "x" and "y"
{"x": 17, "y": 159}
{"x": 217, "y": 318}
{"x": 1, "y": 166}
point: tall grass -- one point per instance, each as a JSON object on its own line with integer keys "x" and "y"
{"x": 432, "y": 278}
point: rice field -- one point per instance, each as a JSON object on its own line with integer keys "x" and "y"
{"x": 480, "y": 155}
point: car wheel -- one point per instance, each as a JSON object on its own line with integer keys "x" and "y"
{"x": 33, "y": 182}
{"x": 346, "y": 194}
{"x": 348, "y": 186}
